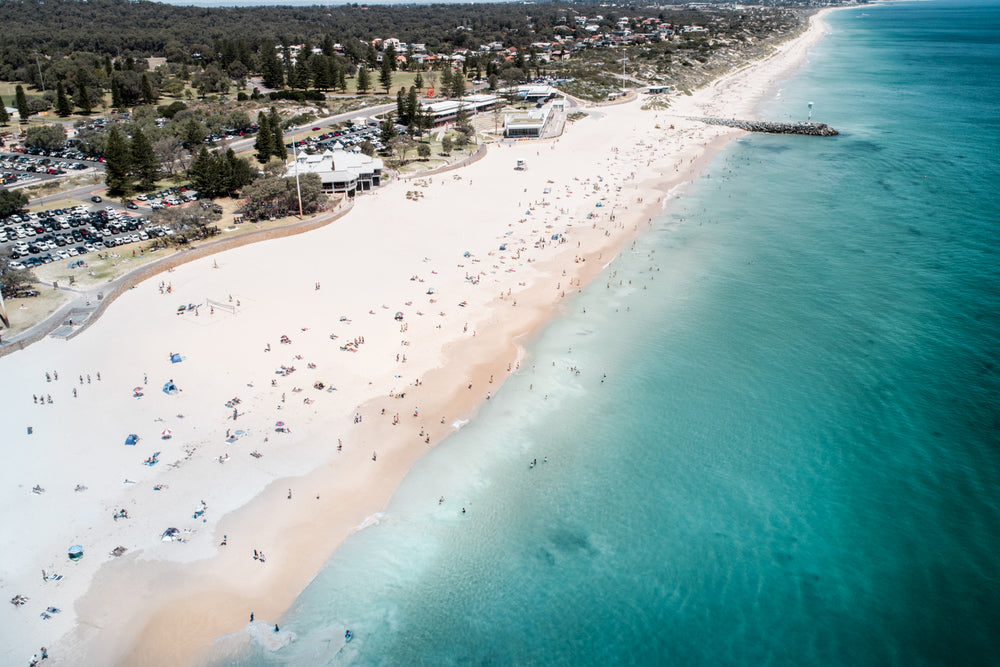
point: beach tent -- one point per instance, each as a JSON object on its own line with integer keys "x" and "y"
{"x": 170, "y": 387}
{"x": 131, "y": 439}
{"x": 75, "y": 552}
{"x": 170, "y": 534}
{"x": 175, "y": 358}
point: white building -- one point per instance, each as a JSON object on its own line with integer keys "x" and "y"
{"x": 447, "y": 111}
{"x": 340, "y": 171}
{"x": 526, "y": 123}
{"x": 535, "y": 94}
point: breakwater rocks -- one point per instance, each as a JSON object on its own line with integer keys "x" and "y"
{"x": 811, "y": 129}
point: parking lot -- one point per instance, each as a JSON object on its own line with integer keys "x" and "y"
{"x": 342, "y": 139}
{"x": 22, "y": 168}
{"x": 33, "y": 239}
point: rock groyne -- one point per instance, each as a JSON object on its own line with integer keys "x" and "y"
{"x": 768, "y": 127}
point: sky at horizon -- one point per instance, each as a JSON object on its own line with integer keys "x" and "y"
{"x": 307, "y": 3}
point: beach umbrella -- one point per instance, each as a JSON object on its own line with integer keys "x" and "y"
{"x": 279, "y": 424}
{"x": 166, "y": 433}
{"x": 75, "y": 552}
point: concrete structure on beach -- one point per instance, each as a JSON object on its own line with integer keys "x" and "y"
{"x": 526, "y": 123}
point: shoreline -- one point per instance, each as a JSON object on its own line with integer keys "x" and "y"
{"x": 171, "y": 608}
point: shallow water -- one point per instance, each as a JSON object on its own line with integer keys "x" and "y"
{"x": 781, "y": 446}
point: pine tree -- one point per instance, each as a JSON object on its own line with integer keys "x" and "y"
{"x": 21, "y": 102}
{"x": 148, "y": 97}
{"x": 363, "y": 82}
{"x": 201, "y": 172}
{"x": 116, "y": 95}
{"x": 221, "y": 174}
{"x": 341, "y": 78}
{"x": 303, "y": 73}
{"x": 193, "y": 133}
{"x": 240, "y": 173}
{"x": 63, "y": 105}
{"x": 263, "y": 142}
{"x": 271, "y": 68}
{"x": 4, "y": 116}
{"x": 412, "y": 107}
{"x": 277, "y": 136}
{"x": 327, "y": 46}
{"x": 446, "y": 81}
{"x": 117, "y": 162}
{"x": 145, "y": 166}
{"x": 390, "y": 55}
{"x": 458, "y": 85}
{"x": 322, "y": 75}
{"x": 401, "y": 108}
{"x": 418, "y": 81}
{"x": 82, "y": 95}
{"x": 385, "y": 75}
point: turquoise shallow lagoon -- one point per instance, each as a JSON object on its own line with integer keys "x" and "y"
{"x": 768, "y": 434}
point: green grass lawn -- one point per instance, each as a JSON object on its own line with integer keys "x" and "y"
{"x": 402, "y": 80}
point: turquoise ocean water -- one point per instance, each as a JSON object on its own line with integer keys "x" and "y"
{"x": 794, "y": 457}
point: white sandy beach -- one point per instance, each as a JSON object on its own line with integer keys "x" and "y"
{"x": 435, "y": 256}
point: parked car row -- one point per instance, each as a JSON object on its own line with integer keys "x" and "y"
{"x": 349, "y": 139}
{"x": 66, "y": 233}
{"x": 168, "y": 197}
{"x": 61, "y": 153}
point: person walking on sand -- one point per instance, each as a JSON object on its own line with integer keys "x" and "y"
{"x": 251, "y": 617}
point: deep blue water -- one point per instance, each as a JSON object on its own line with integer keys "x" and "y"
{"x": 795, "y": 456}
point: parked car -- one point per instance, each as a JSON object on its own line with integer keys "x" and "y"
{"x": 96, "y": 199}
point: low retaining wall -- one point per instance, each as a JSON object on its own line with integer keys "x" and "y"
{"x": 119, "y": 286}
{"x": 478, "y": 155}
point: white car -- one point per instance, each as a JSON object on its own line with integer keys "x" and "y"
{"x": 15, "y": 265}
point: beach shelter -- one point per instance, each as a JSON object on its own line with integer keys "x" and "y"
{"x": 170, "y": 388}
{"x": 170, "y": 534}
{"x": 175, "y": 358}
{"x": 131, "y": 439}
{"x": 75, "y": 552}
{"x": 166, "y": 433}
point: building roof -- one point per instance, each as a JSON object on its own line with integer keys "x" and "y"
{"x": 334, "y": 164}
